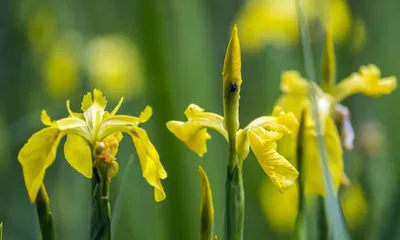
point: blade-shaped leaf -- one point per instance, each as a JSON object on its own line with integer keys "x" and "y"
{"x": 333, "y": 209}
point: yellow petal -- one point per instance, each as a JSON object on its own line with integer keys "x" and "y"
{"x": 45, "y": 118}
{"x": 36, "y": 155}
{"x": 87, "y": 101}
{"x": 279, "y": 209}
{"x": 292, "y": 82}
{"x": 73, "y": 125}
{"x": 207, "y": 119}
{"x": 193, "y": 134}
{"x": 78, "y": 155}
{"x": 146, "y": 114}
{"x": 280, "y": 171}
{"x": 312, "y": 161}
{"x": 242, "y": 145}
{"x": 115, "y": 110}
{"x": 152, "y": 168}
{"x": 206, "y": 207}
{"x": 99, "y": 99}
{"x": 368, "y": 81}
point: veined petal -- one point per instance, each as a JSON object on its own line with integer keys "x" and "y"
{"x": 280, "y": 171}
{"x": 368, "y": 81}
{"x": 73, "y": 125}
{"x": 36, "y": 155}
{"x": 152, "y": 168}
{"x": 292, "y": 82}
{"x": 78, "y": 155}
{"x": 94, "y": 110}
{"x": 193, "y": 134}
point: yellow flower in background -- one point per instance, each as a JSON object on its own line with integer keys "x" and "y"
{"x": 114, "y": 64}
{"x": 260, "y": 135}
{"x": 87, "y": 134}
{"x": 295, "y": 99}
{"x": 279, "y": 209}
{"x": 42, "y": 30}
{"x": 275, "y": 21}
{"x": 354, "y": 205}
{"x": 61, "y": 66}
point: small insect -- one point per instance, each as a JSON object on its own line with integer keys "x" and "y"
{"x": 233, "y": 87}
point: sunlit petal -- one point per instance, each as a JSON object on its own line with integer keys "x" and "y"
{"x": 78, "y": 154}
{"x": 152, "y": 168}
{"x": 368, "y": 81}
{"x": 36, "y": 155}
{"x": 280, "y": 171}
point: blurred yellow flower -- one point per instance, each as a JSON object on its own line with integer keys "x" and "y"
{"x": 114, "y": 65}
{"x": 279, "y": 209}
{"x": 296, "y": 99}
{"x": 61, "y": 69}
{"x": 260, "y": 135}
{"x": 275, "y": 21}
{"x": 354, "y": 205}
{"x": 85, "y": 132}
{"x": 42, "y": 30}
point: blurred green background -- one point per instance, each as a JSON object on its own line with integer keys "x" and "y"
{"x": 168, "y": 54}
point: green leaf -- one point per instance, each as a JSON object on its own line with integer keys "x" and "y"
{"x": 1, "y": 231}
{"x": 332, "y": 207}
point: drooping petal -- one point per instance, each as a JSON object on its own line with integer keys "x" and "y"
{"x": 36, "y": 155}
{"x": 280, "y": 171}
{"x": 207, "y": 119}
{"x": 78, "y": 155}
{"x": 368, "y": 81}
{"x": 193, "y": 134}
{"x": 152, "y": 168}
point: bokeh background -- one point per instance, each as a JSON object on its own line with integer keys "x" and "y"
{"x": 168, "y": 54}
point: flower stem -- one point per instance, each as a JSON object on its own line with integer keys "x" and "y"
{"x": 44, "y": 215}
{"x": 300, "y": 232}
{"x": 100, "y": 225}
{"x": 234, "y": 199}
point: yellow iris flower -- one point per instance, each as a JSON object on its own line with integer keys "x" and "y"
{"x": 296, "y": 99}
{"x": 275, "y": 21}
{"x": 84, "y": 131}
{"x": 260, "y": 135}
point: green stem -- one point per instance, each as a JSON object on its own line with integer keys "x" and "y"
{"x": 234, "y": 199}
{"x": 44, "y": 214}
{"x": 100, "y": 225}
{"x": 300, "y": 232}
